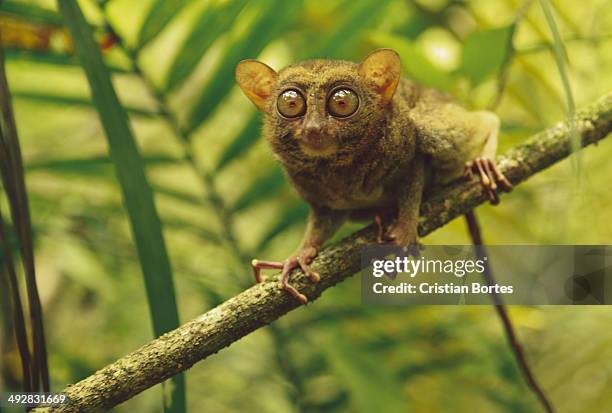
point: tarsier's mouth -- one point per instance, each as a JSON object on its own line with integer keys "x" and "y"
{"x": 321, "y": 146}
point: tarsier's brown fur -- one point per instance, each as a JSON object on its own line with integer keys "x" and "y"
{"x": 401, "y": 138}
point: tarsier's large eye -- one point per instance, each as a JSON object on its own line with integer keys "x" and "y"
{"x": 291, "y": 104}
{"x": 342, "y": 103}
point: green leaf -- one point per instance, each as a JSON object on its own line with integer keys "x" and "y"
{"x": 46, "y": 98}
{"x": 31, "y": 12}
{"x": 359, "y": 16}
{"x": 160, "y": 14}
{"x": 179, "y": 195}
{"x": 79, "y": 165}
{"x": 213, "y": 22}
{"x": 101, "y": 167}
{"x": 263, "y": 187}
{"x": 421, "y": 18}
{"x": 273, "y": 17}
{"x": 414, "y": 62}
{"x": 53, "y": 58}
{"x": 485, "y": 51}
{"x": 290, "y": 216}
{"x": 371, "y": 386}
{"x": 183, "y": 225}
{"x": 137, "y": 193}
{"x": 245, "y": 140}
{"x": 560, "y": 55}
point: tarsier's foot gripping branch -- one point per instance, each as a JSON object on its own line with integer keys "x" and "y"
{"x": 354, "y": 137}
{"x": 302, "y": 260}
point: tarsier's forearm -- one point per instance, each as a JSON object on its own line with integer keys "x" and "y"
{"x": 409, "y": 200}
{"x": 409, "y": 190}
{"x": 323, "y": 222}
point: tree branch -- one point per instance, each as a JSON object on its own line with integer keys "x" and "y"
{"x": 261, "y": 304}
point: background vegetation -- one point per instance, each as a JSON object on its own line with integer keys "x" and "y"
{"x": 223, "y": 200}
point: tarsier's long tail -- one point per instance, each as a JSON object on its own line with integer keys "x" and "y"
{"x": 500, "y": 308}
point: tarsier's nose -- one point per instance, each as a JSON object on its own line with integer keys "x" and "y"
{"x": 312, "y": 129}
{"x": 312, "y": 133}
{"x": 313, "y": 139}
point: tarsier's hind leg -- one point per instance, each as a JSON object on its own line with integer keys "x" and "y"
{"x": 483, "y": 165}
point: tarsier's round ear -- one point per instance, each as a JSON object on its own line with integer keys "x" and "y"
{"x": 382, "y": 68}
{"x": 256, "y": 79}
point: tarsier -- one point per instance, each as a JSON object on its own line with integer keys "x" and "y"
{"x": 358, "y": 140}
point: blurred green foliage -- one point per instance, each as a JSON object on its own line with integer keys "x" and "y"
{"x": 223, "y": 199}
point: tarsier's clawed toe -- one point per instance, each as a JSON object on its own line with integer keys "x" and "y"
{"x": 259, "y": 265}
{"x": 283, "y": 284}
{"x": 300, "y": 260}
{"x": 491, "y": 178}
{"x": 380, "y": 229}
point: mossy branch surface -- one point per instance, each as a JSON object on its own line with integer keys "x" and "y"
{"x": 261, "y": 304}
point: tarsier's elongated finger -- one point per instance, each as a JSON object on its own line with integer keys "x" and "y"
{"x": 491, "y": 178}
{"x": 500, "y": 177}
{"x": 380, "y": 229}
{"x": 484, "y": 179}
{"x": 259, "y": 265}
{"x": 283, "y": 282}
{"x": 489, "y": 173}
{"x": 314, "y": 277}
{"x": 493, "y": 197}
{"x": 488, "y": 181}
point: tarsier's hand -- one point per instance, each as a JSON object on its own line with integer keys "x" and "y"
{"x": 491, "y": 178}
{"x": 402, "y": 233}
{"x": 301, "y": 259}
{"x": 399, "y": 233}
